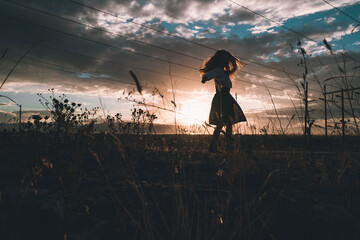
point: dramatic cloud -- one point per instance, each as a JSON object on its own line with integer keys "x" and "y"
{"x": 89, "y": 53}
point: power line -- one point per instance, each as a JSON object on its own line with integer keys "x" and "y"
{"x": 273, "y": 21}
{"x": 112, "y": 46}
{"x": 102, "y": 59}
{"x": 100, "y": 43}
{"x": 73, "y": 21}
{"x": 181, "y": 38}
{"x": 61, "y": 68}
{"x": 101, "y": 29}
{"x": 290, "y": 84}
{"x": 281, "y": 25}
{"x": 341, "y": 11}
{"x": 43, "y": 12}
{"x": 196, "y": 58}
{"x": 108, "y": 45}
{"x": 205, "y": 46}
{"x": 74, "y": 71}
{"x": 143, "y": 25}
{"x": 64, "y": 69}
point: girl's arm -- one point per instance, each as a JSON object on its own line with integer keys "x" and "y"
{"x": 204, "y": 79}
{"x": 210, "y": 75}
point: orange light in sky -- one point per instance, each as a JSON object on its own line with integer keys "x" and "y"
{"x": 194, "y": 113}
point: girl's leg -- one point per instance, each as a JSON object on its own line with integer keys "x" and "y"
{"x": 229, "y": 140}
{"x": 215, "y": 137}
{"x": 228, "y": 130}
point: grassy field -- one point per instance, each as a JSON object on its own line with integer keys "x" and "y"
{"x": 106, "y": 186}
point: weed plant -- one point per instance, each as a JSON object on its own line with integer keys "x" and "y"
{"x": 117, "y": 185}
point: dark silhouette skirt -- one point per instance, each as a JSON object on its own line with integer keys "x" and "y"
{"x": 224, "y": 109}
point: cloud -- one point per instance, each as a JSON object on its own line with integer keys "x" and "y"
{"x": 7, "y": 115}
{"x": 75, "y": 65}
{"x": 329, "y": 20}
{"x": 235, "y": 16}
{"x": 186, "y": 32}
{"x": 7, "y": 104}
{"x": 337, "y": 35}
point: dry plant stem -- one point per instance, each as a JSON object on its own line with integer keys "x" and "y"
{"x": 170, "y": 110}
{"x": 289, "y": 122}
{"x": 274, "y": 128}
{"x": 173, "y": 95}
{"x": 266, "y": 227}
{"x": 146, "y": 217}
{"x": 102, "y": 107}
{"x": 300, "y": 95}
{"x": 20, "y": 59}
{"x": 17, "y": 209}
{"x": 3, "y": 56}
{"x": 139, "y": 89}
{"x": 294, "y": 106}
{"x": 114, "y": 193}
{"x": 244, "y": 191}
{"x": 163, "y": 105}
{"x": 161, "y": 214}
{"x": 276, "y": 112}
{"x": 344, "y": 78}
{"x": 314, "y": 74}
{"x": 329, "y": 70}
{"x": 347, "y": 83}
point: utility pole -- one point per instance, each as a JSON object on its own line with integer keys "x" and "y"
{"x": 325, "y": 108}
{"x": 19, "y": 105}
{"x": 342, "y": 113}
{"x": 20, "y": 118}
{"x": 342, "y": 106}
{"x": 306, "y": 109}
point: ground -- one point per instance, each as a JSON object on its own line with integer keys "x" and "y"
{"x": 108, "y": 186}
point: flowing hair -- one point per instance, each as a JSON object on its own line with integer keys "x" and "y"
{"x": 222, "y": 59}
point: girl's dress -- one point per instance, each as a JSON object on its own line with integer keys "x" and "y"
{"x": 224, "y": 108}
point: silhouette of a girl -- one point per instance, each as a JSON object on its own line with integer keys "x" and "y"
{"x": 225, "y": 111}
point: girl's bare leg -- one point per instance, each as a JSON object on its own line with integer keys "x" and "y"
{"x": 228, "y": 130}
{"x": 215, "y": 137}
{"x": 229, "y": 140}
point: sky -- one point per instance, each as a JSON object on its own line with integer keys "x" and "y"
{"x": 85, "y": 49}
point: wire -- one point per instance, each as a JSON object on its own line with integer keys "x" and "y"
{"x": 144, "y": 42}
{"x": 143, "y": 25}
{"x": 60, "y": 68}
{"x": 34, "y": 9}
{"x": 101, "y": 43}
{"x": 101, "y": 29}
{"x": 172, "y": 35}
{"x": 144, "y": 54}
{"x": 341, "y": 11}
{"x": 98, "y": 58}
{"x": 181, "y": 38}
{"x": 291, "y": 84}
{"x": 112, "y": 46}
{"x": 273, "y": 21}
{"x": 281, "y": 25}
{"x": 74, "y": 71}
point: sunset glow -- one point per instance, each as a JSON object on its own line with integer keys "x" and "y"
{"x": 87, "y": 48}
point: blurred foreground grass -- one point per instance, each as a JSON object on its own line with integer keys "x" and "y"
{"x": 105, "y": 186}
